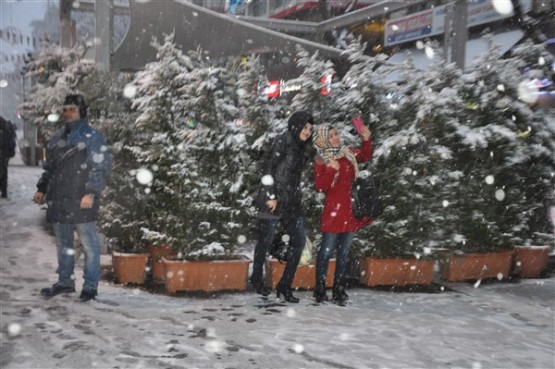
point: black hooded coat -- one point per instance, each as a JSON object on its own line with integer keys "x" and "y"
{"x": 284, "y": 165}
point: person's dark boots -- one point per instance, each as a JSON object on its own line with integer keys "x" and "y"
{"x": 56, "y": 289}
{"x": 287, "y": 294}
{"x": 320, "y": 292}
{"x": 258, "y": 287}
{"x": 339, "y": 295}
{"x": 261, "y": 289}
{"x": 88, "y": 294}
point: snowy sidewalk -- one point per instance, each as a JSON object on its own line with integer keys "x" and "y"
{"x": 496, "y": 325}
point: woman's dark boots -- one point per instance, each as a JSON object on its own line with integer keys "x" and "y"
{"x": 287, "y": 294}
{"x": 339, "y": 295}
{"x": 261, "y": 289}
{"x": 320, "y": 292}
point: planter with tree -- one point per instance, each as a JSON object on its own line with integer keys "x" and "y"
{"x": 197, "y": 156}
{"x": 412, "y": 157}
{"x": 507, "y": 158}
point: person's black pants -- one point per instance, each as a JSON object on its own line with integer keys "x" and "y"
{"x": 4, "y": 177}
{"x": 294, "y": 227}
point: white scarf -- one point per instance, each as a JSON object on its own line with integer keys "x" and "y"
{"x": 327, "y": 151}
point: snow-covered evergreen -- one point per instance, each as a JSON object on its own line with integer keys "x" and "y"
{"x": 253, "y": 105}
{"x": 412, "y": 162}
{"x": 465, "y": 161}
{"x": 158, "y": 145}
{"x": 187, "y": 138}
{"x": 56, "y": 72}
{"x": 310, "y": 97}
{"x": 502, "y": 186}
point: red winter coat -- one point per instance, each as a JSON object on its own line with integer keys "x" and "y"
{"x": 337, "y": 216}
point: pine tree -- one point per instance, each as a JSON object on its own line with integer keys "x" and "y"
{"x": 218, "y": 191}
{"x": 57, "y": 71}
{"x": 205, "y": 98}
{"x": 364, "y": 91}
{"x": 256, "y": 114}
{"x": 413, "y": 163}
{"x": 252, "y": 104}
{"x": 159, "y": 141}
{"x": 311, "y": 97}
{"x": 187, "y": 137}
{"x": 218, "y": 196}
{"x": 536, "y": 142}
{"x": 510, "y": 154}
{"x": 123, "y": 213}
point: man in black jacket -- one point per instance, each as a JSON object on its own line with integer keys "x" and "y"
{"x": 7, "y": 151}
{"x": 75, "y": 172}
{"x": 280, "y": 198}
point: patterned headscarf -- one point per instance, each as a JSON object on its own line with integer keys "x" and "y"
{"x": 327, "y": 151}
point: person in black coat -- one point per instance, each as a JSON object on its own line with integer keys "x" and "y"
{"x": 279, "y": 198}
{"x": 7, "y": 151}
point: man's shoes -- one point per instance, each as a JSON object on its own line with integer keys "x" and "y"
{"x": 56, "y": 289}
{"x": 87, "y": 295}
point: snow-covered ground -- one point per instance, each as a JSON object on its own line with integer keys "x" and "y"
{"x": 487, "y": 325}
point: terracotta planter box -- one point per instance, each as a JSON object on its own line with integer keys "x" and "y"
{"x": 477, "y": 266}
{"x": 305, "y": 276}
{"x": 395, "y": 272}
{"x": 129, "y": 268}
{"x": 218, "y": 275}
{"x": 530, "y": 261}
{"x": 156, "y": 255}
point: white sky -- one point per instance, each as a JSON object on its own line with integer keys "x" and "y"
{"x": 21, "y": 13}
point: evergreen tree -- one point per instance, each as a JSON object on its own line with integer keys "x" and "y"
{"x": 205, "y": 98}
{"x": 413, "y": 162}
{"x": 316, "y": 95}
{"x": 364, "y": 90}
{"x": 159, "y": 141}
{"x": 124, "y": 212}
{"x": 218, "y": 195}
{"x": 256, "y": 114}
{"x": 57, "y": 71}
{"x": 187, "y": 137}
{"x": 508, "y": 158}
{"x": 252, "y": 104}
{"x": 536, "y": 142}
{"x": 218, "y": 191}
{"x": 488, "y": 141}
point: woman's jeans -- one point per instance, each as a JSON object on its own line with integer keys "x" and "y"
{"x": 91, "y": 248}
{"x": 330, "y": 242}
{"x": 294, "y": 227}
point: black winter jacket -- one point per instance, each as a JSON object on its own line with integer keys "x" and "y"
{"x": 285, "y": 163}
{"x": 77, "y": 163}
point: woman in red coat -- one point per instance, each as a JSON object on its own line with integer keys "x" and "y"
{"x": 334, "y": 171}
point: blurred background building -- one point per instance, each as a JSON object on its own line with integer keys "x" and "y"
{"x": 119, "y": 32}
